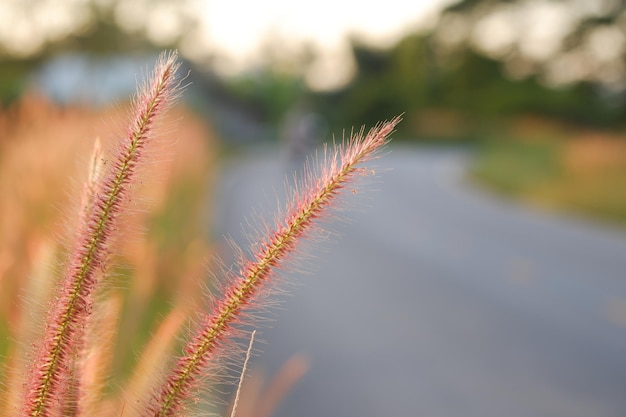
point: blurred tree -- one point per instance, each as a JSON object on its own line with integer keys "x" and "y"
{"x": 44, "y": 27}
{"x": 40, "y": 29}
{"x": 477, "y": 64}
{"x": 561, "y": 41}
{"x": 270, "y": 93}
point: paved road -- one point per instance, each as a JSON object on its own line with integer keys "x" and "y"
{"x": 441, "y": 301}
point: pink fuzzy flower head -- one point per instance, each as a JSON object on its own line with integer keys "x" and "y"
{"x": 88, "y": 255}
{"x": 312, "y": 200}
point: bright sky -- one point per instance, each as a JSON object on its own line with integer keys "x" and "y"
{"x": 239, "y": 34}
{"x": 235, "y": 31}
{"x": 237, "y": 28}
{"x": 239, "y": 25}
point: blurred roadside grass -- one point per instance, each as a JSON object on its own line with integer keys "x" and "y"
{"x": 45, "y": 147}
{"x": 559, "y": 169}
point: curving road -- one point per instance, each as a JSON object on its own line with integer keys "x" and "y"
{"x": 441, "y": 301}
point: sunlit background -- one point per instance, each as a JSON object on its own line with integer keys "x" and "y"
{"x": 525, "y": 99}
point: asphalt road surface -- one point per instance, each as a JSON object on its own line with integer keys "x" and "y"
{"x": 439, "y": 300}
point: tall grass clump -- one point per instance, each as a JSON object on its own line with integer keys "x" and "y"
{"x": 68, "y": 365}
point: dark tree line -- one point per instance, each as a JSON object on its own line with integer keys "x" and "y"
{"x": 421, "y": 76}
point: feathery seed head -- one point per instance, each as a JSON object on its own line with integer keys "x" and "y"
{"x": 69, "y": 314}
{"x": 312, "y": 199}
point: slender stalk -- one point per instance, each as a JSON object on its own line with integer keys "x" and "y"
{"x": 316, "y": 196}
{"x": 242, "y": 376}
{"x": 73, "y": 304}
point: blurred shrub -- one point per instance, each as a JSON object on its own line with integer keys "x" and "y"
{"x": 557, "y": 167}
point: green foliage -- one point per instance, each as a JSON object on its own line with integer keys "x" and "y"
{"x": 412, "y": 77}
{"x": 12, "y": 78}
{"x": 540, "y": 171}
{"x": 270, "y": 94}
{"x": 514, "y": 167}
{"x": 420, "y": 74}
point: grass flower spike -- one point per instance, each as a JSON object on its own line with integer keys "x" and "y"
{"x": 73, "y": 370}
{"x": 310, "y": 201}
{"x": 87, "y": 258}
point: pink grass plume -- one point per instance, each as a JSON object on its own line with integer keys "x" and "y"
{"x": 88, "y": 255}
{"x": 312, "y": 199}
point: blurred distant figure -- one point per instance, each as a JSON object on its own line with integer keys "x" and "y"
{"x": 301, "y": 133}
